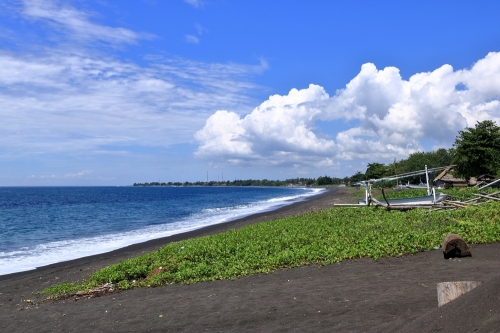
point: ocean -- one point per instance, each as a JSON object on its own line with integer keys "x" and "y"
{"x": 45, "y": 225}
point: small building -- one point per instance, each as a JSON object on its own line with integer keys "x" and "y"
{"x": 485, "y": 180}
{"x": 446, "y": 179}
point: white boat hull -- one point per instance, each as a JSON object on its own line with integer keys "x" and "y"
{"x": 416, "y": 201}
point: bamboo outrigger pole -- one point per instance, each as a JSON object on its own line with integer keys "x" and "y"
{"x": 427, "y": 181}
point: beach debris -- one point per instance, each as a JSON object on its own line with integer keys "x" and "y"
{"x": 454, "y": 246}
{"x": 448, "y": 291}
{"x": 445, "y": 204}
{"x": 105, "y": 289}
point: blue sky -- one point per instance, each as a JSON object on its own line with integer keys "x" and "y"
{"x": 116, "y": 92}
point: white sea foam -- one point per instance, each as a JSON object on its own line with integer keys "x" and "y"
{"x": 28, "y": 258}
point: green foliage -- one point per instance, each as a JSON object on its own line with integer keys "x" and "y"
{"x": 322, "y": 237}
{"x": 358, "y": 176}
{"x": 377, "y": 170}
{"x": 478, "y": 150}
{"x": 418, "y": 160}
{"x": 466, "y": 193}
{"x": 324, "y": 180}
{"x": 405, "y": 194}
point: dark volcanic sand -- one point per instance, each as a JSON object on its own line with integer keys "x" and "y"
{"x": 388, "y": 295}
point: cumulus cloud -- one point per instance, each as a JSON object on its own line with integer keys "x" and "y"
{"x": 270, "y": 133}
{"x": 391, "y": 117}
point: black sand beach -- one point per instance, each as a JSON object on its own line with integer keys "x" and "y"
{"x": 387, "y": 295}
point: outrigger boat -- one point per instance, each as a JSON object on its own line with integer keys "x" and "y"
{"x": 420, "y": 186}
{"x": 430, "y": 199}
{"x": 425, "y": 200}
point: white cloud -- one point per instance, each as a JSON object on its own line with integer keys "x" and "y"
{"x": 78, "y": 174}
{"x": 61, "y": 102}
{"x": 194, "y": 3}
{"x": 75, "y": 22}
{"x": 83, "y": 101}
{"x": 391, "y": 117}
{"x": 273, "y": 133}
{"x": 192, "y": 39}
{"x": 200, "y": 29}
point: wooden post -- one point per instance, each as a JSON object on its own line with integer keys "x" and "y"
{"x": 448, "y": 291}
{"x": 427, "y": 180}
{"x": 385, "y": 198}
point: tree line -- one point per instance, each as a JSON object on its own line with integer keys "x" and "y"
{"x": 476, "y": 151}
{"x": 239, "y": 182}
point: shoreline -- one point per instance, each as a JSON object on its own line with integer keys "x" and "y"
{"x": 323, "y": 200}
{"x": 391, "y": 294}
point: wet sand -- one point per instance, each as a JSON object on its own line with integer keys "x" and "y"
{"x": 387, "y": 295}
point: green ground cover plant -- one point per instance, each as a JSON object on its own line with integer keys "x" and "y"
{"x": 322, "y": 237}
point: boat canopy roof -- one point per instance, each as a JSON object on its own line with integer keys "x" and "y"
{"x": 406, "y": 175}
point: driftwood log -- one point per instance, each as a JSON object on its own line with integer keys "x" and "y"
{"x": 454, "y": 246}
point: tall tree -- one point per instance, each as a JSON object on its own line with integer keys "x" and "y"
{"x": 418, "y": 160}
{"x": 324, "y": 180}
{"x": 376, "y": 170}
{"x": 358, "y": 176}
{"x": 477, "y": 150}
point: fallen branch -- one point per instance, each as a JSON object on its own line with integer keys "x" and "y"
{"x": 451, "y": 203}
{"x": 486, "y": 196}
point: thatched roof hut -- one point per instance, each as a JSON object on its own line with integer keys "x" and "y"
{"x": 447, "y": 179}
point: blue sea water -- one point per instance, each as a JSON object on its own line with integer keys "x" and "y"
{"x": 45, "y": 225}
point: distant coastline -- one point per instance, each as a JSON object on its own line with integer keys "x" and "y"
{"x": 297, "y": 182}
{"x": 292, "y": 182}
